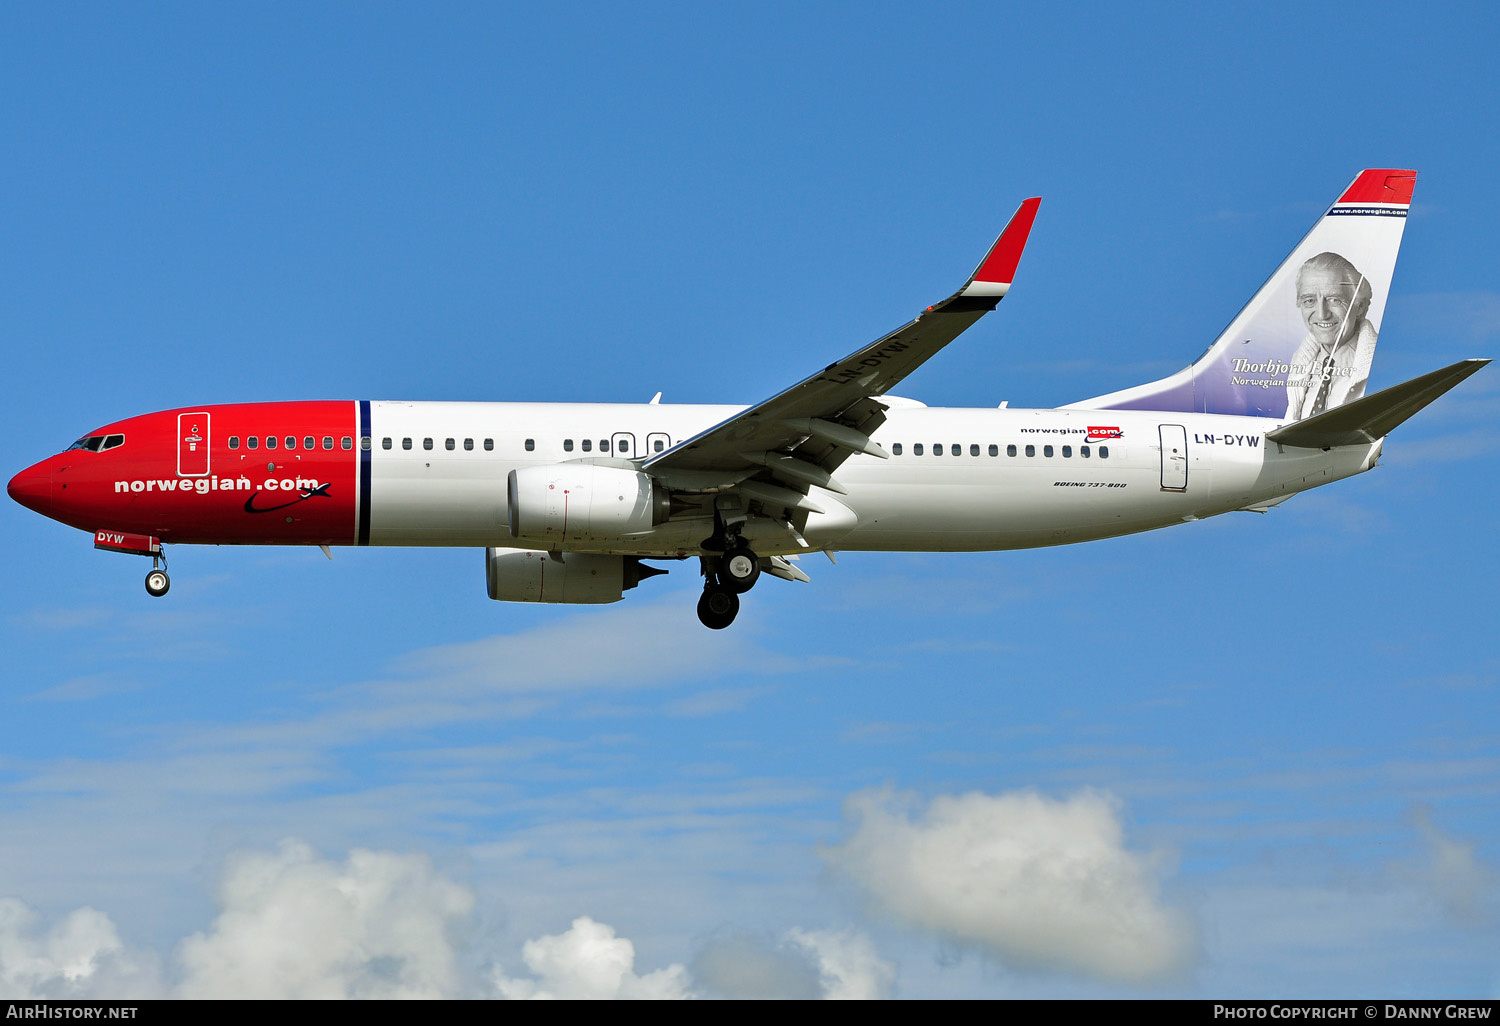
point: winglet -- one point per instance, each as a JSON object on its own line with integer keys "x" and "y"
{"x": 998, "y": 268}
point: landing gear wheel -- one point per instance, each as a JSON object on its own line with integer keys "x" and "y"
{"x": 157, "y": 583}
{"x": 718, "y": 607}
{"x": 739, "y": 569}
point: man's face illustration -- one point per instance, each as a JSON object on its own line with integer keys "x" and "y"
{"x": 1324, "y": 297}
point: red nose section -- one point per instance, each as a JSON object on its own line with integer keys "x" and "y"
{"x": 32, "y": 488}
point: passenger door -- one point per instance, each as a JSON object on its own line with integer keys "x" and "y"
{"x": 1174, "y": 464}
{"x": 192, "y": 444}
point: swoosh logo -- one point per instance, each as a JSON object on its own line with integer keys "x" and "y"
{"x": 307, "y": 493}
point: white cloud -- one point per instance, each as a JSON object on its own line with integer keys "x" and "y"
{"x": 848, "y": 968}
{"x": 746, "y": 966}
{"x": 1464, "y": 885}
{"x": 293, "y": 925}
{"x": 1040, "y": 883}
{"x": 804, "y": 964}
{"x": 80, "y": 957}
{"x": 589, "y": 962}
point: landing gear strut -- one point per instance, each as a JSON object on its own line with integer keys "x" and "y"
{"x": 157, "y": 581}
{"x": 730, "y": 569}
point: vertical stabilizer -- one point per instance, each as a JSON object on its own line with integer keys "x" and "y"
{"x": 1304, "y": 342}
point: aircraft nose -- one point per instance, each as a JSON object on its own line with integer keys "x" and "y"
{"x": 32, "y": 487}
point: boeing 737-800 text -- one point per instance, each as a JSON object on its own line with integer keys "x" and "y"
{"x": 569, "y": 500}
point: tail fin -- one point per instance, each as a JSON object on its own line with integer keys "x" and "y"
{"x": 1304, "y": 342}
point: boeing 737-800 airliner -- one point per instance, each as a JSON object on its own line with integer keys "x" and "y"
{"x": 569, "y": 500}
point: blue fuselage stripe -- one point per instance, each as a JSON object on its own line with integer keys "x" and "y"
{"x": 366, "y": 453}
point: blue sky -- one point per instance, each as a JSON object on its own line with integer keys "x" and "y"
{"x": 1261, "y": 749}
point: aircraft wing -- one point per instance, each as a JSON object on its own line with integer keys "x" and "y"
{"x": 799, "y": 437}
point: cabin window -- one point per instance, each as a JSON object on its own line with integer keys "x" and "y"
{"x": 291, "y": 441}
{"x": 1010, "y": 450}
{"x": 916, "y": 450}
{"x": 347, "y": 442}
{"x": 623, "y": 446}
{"x": 385, "y": 443}
{"x": 958, "y": 450}
{"x": 234, "y": 441}
{"x": 364, "y": 443}
{"x": 994, "y": 450}
{"x": 468, "y": 445}
{"x": 450, "y": 444}
{"x": 1083, "y": 451}
{"x": 604, "y": 445}
{"x": 660, "y": 445}
{"x": 1031, "y": 450}
{"x": 1067, "y": 452}
{"x": 895, "y": 448}
{"x": 270, "y": 441}
{"x": 531, "y": 445}
{"x": 252, "y": 442}
{"x": 1104, "y": 452}
{"x": 489, "y": 444}
{"x": 406, "y": 443}
{"x": 567, "y": 445}
{"x": 427, "y": 443}
{"x": 973, "y": 450}
{"x": 309, "y": 442}
{"x": 1047, "y": 451}
{"x": 588, "y": 445}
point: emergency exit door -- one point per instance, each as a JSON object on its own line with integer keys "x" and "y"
{"x": 1174, "y": 464}
{"x": 623, "y": 443}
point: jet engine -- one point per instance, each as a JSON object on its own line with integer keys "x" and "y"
{"x": 523, "y": 575}
{"x": 565, "y": 504}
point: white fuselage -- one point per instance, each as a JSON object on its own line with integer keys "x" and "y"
{"x": 982, "y": 498}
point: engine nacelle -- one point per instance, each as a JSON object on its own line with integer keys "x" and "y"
{"x": 523, "y": 575}
{"x": 564, "y": 504}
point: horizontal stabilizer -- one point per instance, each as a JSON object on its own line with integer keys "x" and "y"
{"x": 1373, "y": 417}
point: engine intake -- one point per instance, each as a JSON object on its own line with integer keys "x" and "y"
{"x": 565, "y": 504}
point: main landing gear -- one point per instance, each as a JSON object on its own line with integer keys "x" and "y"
{"x": 718, "y": 607}
{"x": 728, "y": 575}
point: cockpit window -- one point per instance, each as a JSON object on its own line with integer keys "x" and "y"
{"x": 97, "y": 443}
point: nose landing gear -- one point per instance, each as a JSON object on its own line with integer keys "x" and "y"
{"x": 157, "y": 581}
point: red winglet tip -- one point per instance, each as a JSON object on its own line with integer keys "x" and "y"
{"x": 1381, "y": 185}
{"x": 1003, "y": 259}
